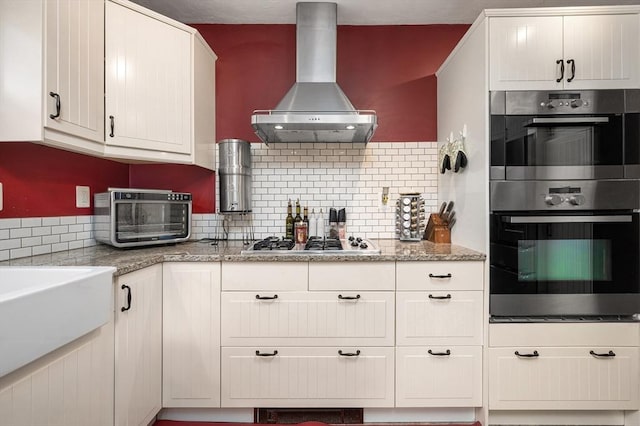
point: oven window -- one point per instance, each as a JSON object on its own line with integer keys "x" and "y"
{"x": 534, "y": 141}
{"x": 143, "y": 221}
{"x": 564, "y": 260}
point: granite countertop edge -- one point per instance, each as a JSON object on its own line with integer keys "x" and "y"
{"x": 130, "y": 260}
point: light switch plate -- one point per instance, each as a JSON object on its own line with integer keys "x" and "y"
{"x": 1, "y": 197}
{"x": 83, "y": 197}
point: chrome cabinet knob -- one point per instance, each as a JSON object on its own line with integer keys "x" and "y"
{"x": 553, "y": 200}
{"x": 576, "y": 103}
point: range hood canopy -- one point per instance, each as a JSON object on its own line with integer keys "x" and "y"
{"x": 315, "y": 109}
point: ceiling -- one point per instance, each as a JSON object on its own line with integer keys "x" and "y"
{"x": 350, "y": 12}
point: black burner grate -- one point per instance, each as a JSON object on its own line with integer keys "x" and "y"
{"x": 274, "y": 243}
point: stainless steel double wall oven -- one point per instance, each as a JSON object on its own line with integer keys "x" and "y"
{"x": 565, "y": 197}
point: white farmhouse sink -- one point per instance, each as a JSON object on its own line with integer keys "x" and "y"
{"x": 43, "y": 308}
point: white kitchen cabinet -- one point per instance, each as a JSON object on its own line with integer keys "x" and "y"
{"x": 440, "y": 275}
{"x": 52, "y": 52}
{"x": 351, "y": 276}
{"x": 439, "y": 317}
{"x": 439, "y": 376}
{"x": 138, "y": 346}
{"x": 271, "y": 376}
{"x": 191, "y": 334}
{"x": 265, "y": 276}
{"x": 563, "y": 378}
{"x": 309, "y": 318}
{"x": 148, "y": 83}
{"x": 594, "y": 51}
{"x": 72, "y": 386}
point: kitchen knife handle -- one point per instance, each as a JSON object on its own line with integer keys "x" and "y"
{"x": 57, "y": 98}
{"x": 446, "y": 353}
{"x": 112, "y": 124}
{"x": 610, "y": 354}
{"x": 356, "y": 353}
{"x": 535, "y": 354}
{"x": 448, "y": 296}
{"x": 573, "y": 70}
{"x": 274, "y": 353}
{"x": 356, "y": 297}
{"x": 561, "y": 62}
{"x": 126, "y": 287}
{"x": 275, "y": 296}
{"x": 440, "y": 276}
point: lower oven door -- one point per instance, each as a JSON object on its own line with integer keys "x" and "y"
{"x": 564, "y": 264}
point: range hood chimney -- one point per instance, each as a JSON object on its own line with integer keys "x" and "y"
{"x": 315, "y": 109}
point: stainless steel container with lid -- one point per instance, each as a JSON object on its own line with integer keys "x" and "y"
{"x": 410, "y": 217}
{"x": 234, "y": 174}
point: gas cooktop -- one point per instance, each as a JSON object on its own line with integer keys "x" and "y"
{"x": 315, "y": 245}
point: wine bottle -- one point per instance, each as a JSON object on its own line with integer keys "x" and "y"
{"x": 289, "y": 222}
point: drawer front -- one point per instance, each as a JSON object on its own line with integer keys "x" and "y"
{"x": 435, "y": 379}
{"x": 439, "y": 275}
{"x": 439, "y": 317}
{"x": 303, "y": 318}
{"x": 567, "y": 334}
{"x": 563, "y": 378}
{"x": 307, "y": 377}
{"x": 267, "y": 276}
{"x": 352, "y": 276}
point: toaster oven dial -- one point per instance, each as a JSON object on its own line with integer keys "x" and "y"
{"x": 553, "y": 199}
{"x": 576, "y": 103}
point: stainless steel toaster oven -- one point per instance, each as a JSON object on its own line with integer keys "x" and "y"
{"x": 140, "y": 217}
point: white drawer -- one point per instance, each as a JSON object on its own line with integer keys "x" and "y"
{"x": 439, "y": 376}
{"x": 265, "y": 276}
{"x": 308, "y": 318}
{"x": 566, "y": 334}
{"x": 352, "y": 276}
{"x": 308, "y": 377}
{"x": 553, "y": 378}
{"x": 439, "y": 317}
{"x": 437, "y": 275}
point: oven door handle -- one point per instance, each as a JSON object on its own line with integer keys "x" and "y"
{"x": 568, "y": 219}
{"x": 540, "y": 121}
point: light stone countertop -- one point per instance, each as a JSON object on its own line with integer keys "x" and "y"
{"x": 129, "y": 260}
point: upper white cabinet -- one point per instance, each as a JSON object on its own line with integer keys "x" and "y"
{"x": 148, "y": 83}
{"x": 595, "y": 51}
{"x": 52, "y": 73}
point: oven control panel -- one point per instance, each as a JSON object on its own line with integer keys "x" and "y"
{"x": 565, "y": 195}
{"x": 559, "y": 100}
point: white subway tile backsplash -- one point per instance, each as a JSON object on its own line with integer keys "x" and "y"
{"x": 31, "y": 222}
{"x": 21, "y": 252}
{"x": 50, "y": 221}
{"x": 9, "y": 223}
{"x": 19, "y": 232}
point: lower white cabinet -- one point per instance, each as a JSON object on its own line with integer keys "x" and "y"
{"x": 191, "y": 334}
{"x": 72, "y": 386}
{"x": 563, "y": 378}
{"x": 439, "y": 376}
{"x": 310, "y": 318}
{"x": 308, "y": 377}
{"x": 138, "y": 346}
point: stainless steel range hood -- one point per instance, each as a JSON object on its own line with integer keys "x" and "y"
{"x": 315, "y": 109}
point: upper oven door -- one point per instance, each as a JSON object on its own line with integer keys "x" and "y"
{"x": 558, "y": 136}
{"x": 564, "y": 253}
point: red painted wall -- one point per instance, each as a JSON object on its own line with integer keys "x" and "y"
{"x": 386, "y": 68}
{"x": 390, "y": 69}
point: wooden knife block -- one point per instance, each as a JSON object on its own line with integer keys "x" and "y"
{"x": 437, "y": 231}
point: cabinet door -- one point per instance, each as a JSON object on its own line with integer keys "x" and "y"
{"x": 315, "y": 319}
{"x": 440, "y": 276}
{"x": 604, "y": 49}
{"x": 563, "y": 378}
{"x": 443, "y": 376}
{"x": 148, "y": 82}
{"x": 523, "y": 52}
{"x": 138, "y": 346}
{"x": 74, "y": 67}
{"x": 191, "y": 335}
{"x": 307, "y": 377}
{"x": 453, "y": 318}
{"x": 204, "y": 99}
{"x": 72, "y": 386}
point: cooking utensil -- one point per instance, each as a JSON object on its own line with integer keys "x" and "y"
{"x": 451, "y": 223}
{"x": 442, "y": 208}
{"x": 447, "y": 211}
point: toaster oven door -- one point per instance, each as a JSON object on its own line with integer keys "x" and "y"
{"x": 139, "y": 221}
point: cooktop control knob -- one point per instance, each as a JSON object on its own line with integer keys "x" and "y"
{"x": 353, "y": 243}
{"x": 550, "y": 104}
{"x": 363, "y": 245}
{"x": 576, "y": 200}
{"x": 553, "y": 199}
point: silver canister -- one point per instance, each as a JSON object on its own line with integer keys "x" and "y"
{"x": 234, "y": 174}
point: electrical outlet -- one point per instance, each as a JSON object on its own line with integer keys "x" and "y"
{"x": 83, "y": 197}
{"x": 1, "y": 197}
